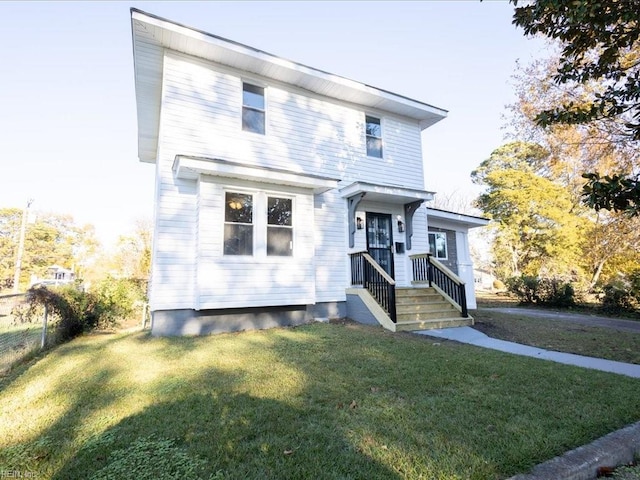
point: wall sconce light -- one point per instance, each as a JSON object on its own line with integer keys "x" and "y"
{"x": 359, "y": 223}
{"x": 400, "y": 226}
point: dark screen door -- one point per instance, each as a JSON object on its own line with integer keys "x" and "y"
{"x": 379, "y": 240}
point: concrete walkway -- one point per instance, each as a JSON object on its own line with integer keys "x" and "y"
{"x": 474, "y": 337}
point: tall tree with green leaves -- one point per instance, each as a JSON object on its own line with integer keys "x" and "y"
{"x": 600, "y": 43}
{"x": 573, "y": 149}
{"x": 51, "y": 239}
{"x": 538, "y": 231}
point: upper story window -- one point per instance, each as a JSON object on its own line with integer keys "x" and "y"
{"x": 279, "y": 226}
{"x": 438, "y": 245}
{"x": 374, "y": 137}
{"x": 253, "y": 112}
{"x": 238, "y": 224}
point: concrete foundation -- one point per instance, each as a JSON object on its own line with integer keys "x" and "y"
{"x": 205, "y": 322}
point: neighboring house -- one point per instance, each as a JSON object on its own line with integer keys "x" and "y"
{"x": 55, "y": 275}
{"x": 484, "y": 280}
{"x": 286, "y": 194}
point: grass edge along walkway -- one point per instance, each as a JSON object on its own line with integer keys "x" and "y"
{"x": 318, "y": 401}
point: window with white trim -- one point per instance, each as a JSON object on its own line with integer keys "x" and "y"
{"x": 279, "y": 226}
{"x": 438, "y": 245}
{"x": 238, "y": 224}
{"x": 253, "y": 109}
{"x": 373, "y": 131}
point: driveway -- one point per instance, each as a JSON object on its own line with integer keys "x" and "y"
{"x": 632, "y": 326}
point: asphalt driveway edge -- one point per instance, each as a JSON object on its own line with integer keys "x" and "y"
{"x": 614, "y": 449}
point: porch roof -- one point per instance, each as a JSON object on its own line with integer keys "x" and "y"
{"x": 385, "y": 193}
{"x": 457, "y": 219}
{"x": 190, "y": 167}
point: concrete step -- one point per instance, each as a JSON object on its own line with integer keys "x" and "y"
{"x": 411, "y": 292}
{"x": 425, "y": 316}
{"x": 424, "y": 307}
{"x": 410, "y": 326}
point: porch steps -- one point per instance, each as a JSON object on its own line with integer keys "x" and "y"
{"x": 424, "y": 309}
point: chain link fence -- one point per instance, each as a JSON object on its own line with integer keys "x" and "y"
{"x": 18, "y": 338}
{"x": 22, "y": 334}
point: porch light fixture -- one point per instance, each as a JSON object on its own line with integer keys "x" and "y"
{"x": 400, "y": 226}
{"x": 359, "y": 223}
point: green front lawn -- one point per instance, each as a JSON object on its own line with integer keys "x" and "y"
{"x": 559, "y": 335}
{"x": 319, "y": 401}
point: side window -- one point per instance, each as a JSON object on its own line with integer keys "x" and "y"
{"x": 279, "y": 226}
{"x": 374, "y": 137}
{"x": 438, "y": 245}
{"x": 253, "y": 112}
{"x": 238, "y": 224}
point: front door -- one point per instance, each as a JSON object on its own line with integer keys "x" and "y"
{"x": 379, "y": 240}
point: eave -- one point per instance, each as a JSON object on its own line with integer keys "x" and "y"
{"x": 190, "y": 168}
{"x": 457, "y": 219}
{"x": 153, "y": 34}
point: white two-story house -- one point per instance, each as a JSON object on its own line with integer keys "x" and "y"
{"x": 285, "y": 194}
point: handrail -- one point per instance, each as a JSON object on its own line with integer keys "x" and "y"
{"x": 428, "y": 269}
{"x": 365, "y": 271}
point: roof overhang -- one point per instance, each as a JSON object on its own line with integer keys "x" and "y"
{"x": 153, "y": 34}
{"x": 190, "y": 168}
{"x": 385, "y": 193}
{"x": 455, "y": 219}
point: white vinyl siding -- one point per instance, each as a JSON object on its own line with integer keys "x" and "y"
{"x": 233, "y": 282}
{"x": 307, "y": 134}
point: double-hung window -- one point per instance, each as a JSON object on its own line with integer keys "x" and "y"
{"x": 374, "y": 136}
{"x": 238, "y": 224}
{"x": 253, "y": 110}
{"x": 279, "y": 226}
{"x": 438, "y": 245}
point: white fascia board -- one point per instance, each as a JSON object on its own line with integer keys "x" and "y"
{"x": 461, "y": 219}
{"x": 385, "y": 193}
{"x": 190, "y": 168}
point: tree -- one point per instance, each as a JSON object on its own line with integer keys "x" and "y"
{"x": 573, "y": 149}
{"x": 537, "y": 230}
{"x": 600, "y": 43}
{"x": 50, "y": 239}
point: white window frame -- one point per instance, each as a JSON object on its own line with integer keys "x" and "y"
{"x": 260, "y": 222}
{"x": 243, "y": 106}
{"x": 253, "y": 221}
{"x": 435, "y": 252}
{"x": 366, "y": 136}
{"x": 268, "y": 225}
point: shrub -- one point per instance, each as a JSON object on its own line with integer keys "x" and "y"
{"x": 77, "y": 311}
{"x": 616, "y": 298}
{"x": 120, "y": 296}
{"x": 524, "y": 287}
{"x": 551, "y": 292}
{"x": 498, "y": 285}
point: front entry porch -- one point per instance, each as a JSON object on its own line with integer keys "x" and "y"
{"x": 436, "y": 298}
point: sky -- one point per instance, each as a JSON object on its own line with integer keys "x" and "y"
{"x": 68, "y": 127}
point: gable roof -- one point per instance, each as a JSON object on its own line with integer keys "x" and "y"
{"x": 152, "y": 34}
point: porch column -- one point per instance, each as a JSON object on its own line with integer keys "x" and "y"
{"x": 353, "y": 204}
{"x": 409, "y": 210}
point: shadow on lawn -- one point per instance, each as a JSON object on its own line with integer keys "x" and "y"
{"x": 312, "y": 402}
{"x": 223, "y": 435}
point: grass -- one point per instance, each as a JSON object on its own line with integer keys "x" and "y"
{"x": 321, "y": 401}
{"x": 18, "y": 342}
{"x": 553, "y": 334}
